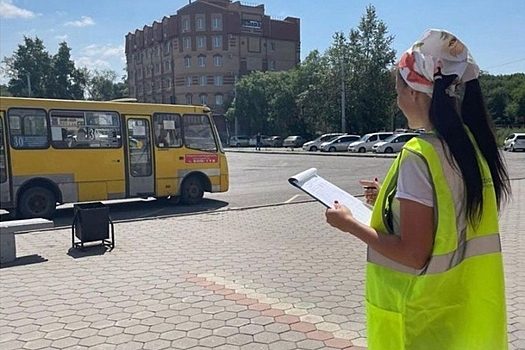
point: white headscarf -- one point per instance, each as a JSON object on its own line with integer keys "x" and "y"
{"x": 437, "y": 49}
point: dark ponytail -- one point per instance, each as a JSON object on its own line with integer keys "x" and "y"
{"x": 478, "y": 120}
{"x": 449, "y": 127}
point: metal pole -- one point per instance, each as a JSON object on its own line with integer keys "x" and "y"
{"x": 28, "y": 85}
{"x": 235, "y": 97}
{"x": 343, "y": 99}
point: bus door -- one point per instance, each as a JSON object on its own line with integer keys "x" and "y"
{"x": 140, "y": 177}
{"x": 5, "y": 188}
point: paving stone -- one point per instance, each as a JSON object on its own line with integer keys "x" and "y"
{"x": 203, "y": 288}
{"x": 239, "y": 339}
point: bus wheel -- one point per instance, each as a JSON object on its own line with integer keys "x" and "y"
{"x": 191, "y": 191}
{"x": 37, "y": 202}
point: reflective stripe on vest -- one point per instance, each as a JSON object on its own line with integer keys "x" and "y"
{"x": 442, "y": 263}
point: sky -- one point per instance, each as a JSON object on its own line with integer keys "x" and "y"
{"x": 493, "y": 30}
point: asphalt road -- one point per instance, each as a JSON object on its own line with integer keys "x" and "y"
{"x": 258, "y": 179}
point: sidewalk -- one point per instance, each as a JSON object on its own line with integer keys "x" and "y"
{"x": 273, "y": 277}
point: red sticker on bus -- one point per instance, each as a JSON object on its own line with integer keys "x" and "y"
{"x": 201, "y": 158}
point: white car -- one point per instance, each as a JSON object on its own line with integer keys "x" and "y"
{"x": 314, "y": 145}
{"x": 240, "y": 141}
{"x": 515, "y": 142}
{"x": 340, "y": 143}
{"x": 394, "y": 143}
{"x": 365, "y": 143}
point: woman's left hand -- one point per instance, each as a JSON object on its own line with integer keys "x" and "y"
{"x": 339, "y": 217}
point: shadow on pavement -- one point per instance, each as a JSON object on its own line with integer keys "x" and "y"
{"x": 138, "y": 210}
{"x": 87, "y": 251}
{"x": 24, "y": 260}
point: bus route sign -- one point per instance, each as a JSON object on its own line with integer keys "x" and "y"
{"x": 201, "y": 158}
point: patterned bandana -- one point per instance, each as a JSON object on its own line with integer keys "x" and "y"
{"x": 436, "y": 49}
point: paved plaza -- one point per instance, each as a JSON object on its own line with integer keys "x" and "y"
{"x": 275, "y": 277}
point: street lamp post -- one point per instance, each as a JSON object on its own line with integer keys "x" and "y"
{"x": 343, "y": 99}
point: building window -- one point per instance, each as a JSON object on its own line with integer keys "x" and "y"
{"x": 272, "y": 47}
{"x": 219, "y": 100}
{"x": 168, "y": 83}
{"x": 188, "y": 81}
{"x": 188, "y": 99}
{"x": 187, "y": 61}
{"x": 167, "y": 47}
{"x": 202, "y": 80}
{"x": 217, "y": 41}
{"x": 202, "y": 61}
{"x": 203, "y": 98}
{"x": 159, "y": 86}
{"x": 167, "y": 66}
{"x": 218, "y": 80}
{"x": 199, "y": 24}
{"x": 185, "y": 24}
{"x": 157, "y": 68}
{"x": 216, "y": 23}
{"x": 187, "y": 42}
{"x": 271, "y": 65}
{"x": 201, "y": 41}
{"x": 217, "y": 60}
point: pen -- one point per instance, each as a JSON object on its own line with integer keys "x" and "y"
{"x": 371, "y": 187}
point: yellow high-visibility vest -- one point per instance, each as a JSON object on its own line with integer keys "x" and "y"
{"x": 457, "y": 301}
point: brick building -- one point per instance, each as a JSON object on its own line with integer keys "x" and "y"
{"x": 196, "y": 55}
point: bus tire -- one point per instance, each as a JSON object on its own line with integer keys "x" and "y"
{"x": 37, "y": 202}
{"x": 191, "y": 191}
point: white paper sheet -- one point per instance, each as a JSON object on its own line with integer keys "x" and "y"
{"x": 326, "y": 193}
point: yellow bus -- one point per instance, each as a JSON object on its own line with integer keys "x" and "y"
{"x": 62, "y": 151}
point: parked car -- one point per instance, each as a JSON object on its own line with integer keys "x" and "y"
{"x": 293, "y": 141}
{"x": 313, "y": 145}
{"x": 240, "y": 141}
{"x": 365, "y": 143}
{"x": 338, "y": 144}
{"x": 394, "y": 143}
{"x": 515, "y": 142}
{"x": 275, "y": 141}
{"x": 264, "y": 141}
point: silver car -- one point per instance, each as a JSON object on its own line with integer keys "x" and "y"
{"x": 515, "y": 142}
{"x": 365, "y": 143}
{"x": 314, "y": 145}
{"x": 394, "y": 143}
{"x": 340, "y": 143}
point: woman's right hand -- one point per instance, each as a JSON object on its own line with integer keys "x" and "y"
{"x": 371, "y": 190}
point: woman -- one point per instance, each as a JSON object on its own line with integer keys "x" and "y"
{"x": 434, "y": 271}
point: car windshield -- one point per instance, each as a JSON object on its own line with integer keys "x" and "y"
{"x": 364, "y": 138}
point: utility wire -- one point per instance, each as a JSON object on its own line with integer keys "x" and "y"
{"x": 504, "y": 64}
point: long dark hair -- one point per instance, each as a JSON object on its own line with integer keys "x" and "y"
{"x": 449, "y": 126}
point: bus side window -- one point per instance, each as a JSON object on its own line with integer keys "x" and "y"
{"x": 28, "y": 128}
{"x": 167, "y": 130}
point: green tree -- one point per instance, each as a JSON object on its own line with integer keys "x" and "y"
{"x": 29, "y": 69}
{"x": 103, "y": 85}
{"x": 369, "y": 57}
{"x": 317, "y": 97}
{"x": 4, "y": 91}
{"x": 66, "y": 82}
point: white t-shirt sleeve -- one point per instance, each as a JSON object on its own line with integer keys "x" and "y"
{"x": 414, "y": 182}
